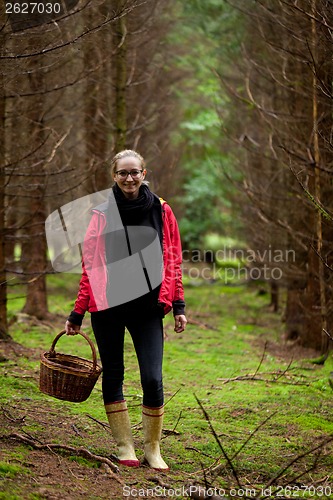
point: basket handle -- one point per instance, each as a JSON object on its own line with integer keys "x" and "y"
{"x": 93, "y": 350}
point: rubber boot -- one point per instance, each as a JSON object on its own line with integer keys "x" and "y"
{"x": 118, "y": 417}
{"x": 152, "y": 421}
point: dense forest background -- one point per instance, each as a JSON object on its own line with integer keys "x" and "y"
{"x": 230, "y": 103}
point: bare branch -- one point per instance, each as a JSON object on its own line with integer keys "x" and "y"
{"x": 83, "y": 452}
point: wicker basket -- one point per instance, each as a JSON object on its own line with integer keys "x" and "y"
{"x": 68, "y": 377}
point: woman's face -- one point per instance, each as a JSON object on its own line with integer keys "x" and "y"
{"x": 129, "y": 176}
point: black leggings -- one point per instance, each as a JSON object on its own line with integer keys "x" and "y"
{"x": 146, "y": 329}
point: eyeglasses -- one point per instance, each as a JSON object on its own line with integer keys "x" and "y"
{"x": 123, "y": 174}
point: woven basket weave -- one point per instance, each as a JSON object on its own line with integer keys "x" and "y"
{"x": 67, "y": 377}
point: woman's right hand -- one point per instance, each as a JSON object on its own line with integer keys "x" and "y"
{"x": 71, "y": 329}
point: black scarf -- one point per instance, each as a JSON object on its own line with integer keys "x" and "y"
{"x": 133, "y": 211}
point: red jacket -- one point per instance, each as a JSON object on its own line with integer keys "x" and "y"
{"x": 171, "y": 292}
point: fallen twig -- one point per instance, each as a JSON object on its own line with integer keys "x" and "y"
{"x": 103, "y": 424}
{"x": 171, "y": 397}
{"x": 83, "y": 452}
{"x": 192, "y": 448}
{"x": 178, "y": 420}
{"x": 261, "y": 360}
{"x": 217, "y": 468}
{"x": 312, "y": 467}
{"x": 170, "y": 432}
{"x": 29, "y": 436}
{"x": 276, "y": 376}
{"x": 108, "y": 470}
{"x": 285, "y": 371}
{"x": 9, "y": 417}
{"x": 252, "y": 377}
{"x": 231, "y": 465}
{"x": 282, "y": 471}
{"x": 76, "y": 430}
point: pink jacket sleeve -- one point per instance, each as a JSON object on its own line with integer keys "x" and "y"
{"x": 172, "y": 291}
{"x": 84, "y": 293}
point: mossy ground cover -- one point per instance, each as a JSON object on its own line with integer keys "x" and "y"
{"x": 266, "y": 404}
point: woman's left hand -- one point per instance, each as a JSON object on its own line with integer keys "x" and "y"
{"x": 180, "y": 323}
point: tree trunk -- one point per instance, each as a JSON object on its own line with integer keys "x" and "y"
{"x": 317, "y": 189}
{"x": 97, "y": 106}
{"x": 34, "y": 253}
{"x": 35, "y": 261}
{"x": 3, "y": 283}
{"x": 120, "y": 83}
{"x": 308, "y": 317}
{"x": 274, "y": 288}
{"x": 3, "y": 277}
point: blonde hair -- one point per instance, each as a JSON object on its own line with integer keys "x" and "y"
{"x": 125, "y": 154}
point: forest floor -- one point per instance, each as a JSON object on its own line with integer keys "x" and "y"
{"x": 247, "y": 416}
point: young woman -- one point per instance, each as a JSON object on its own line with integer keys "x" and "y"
{"x": 131, "y": 278}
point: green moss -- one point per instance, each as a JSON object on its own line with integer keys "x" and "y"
{"x": 215, "y": 359}
{"x": 8, "y": 470}
{"x": 9, "y": 496}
